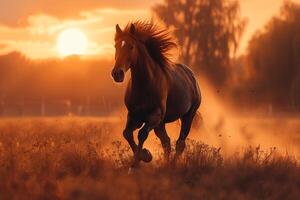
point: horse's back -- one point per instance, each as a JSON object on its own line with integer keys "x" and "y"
{"x": 184, "y": 93}
{"x": 194, "y": 83}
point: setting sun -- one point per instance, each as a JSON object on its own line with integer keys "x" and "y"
{"x": 72, "y": 42}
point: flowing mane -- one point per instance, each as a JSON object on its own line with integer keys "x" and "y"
{"x": 158, "y": 40}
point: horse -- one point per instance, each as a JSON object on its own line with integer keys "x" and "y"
{"x": 159, "y": 91}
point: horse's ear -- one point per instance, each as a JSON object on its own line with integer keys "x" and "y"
{"x": 132, "y": 29}
{"x": 118, "y": 29}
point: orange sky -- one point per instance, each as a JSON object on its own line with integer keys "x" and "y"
{"x": 32, "y": 27}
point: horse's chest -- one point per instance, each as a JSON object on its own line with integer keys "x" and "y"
{"x": 140, "y": 107}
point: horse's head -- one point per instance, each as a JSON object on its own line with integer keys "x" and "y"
{"x": 125, "y": 54}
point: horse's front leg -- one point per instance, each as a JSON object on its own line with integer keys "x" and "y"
{"x": 143, "y": 154}
{"x": 131, "y": 125}
{"x": 140, "y": 153}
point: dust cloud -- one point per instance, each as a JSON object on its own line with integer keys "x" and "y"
{"x": 224, "y": 126}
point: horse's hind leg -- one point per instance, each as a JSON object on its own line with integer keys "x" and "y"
{"x": 186, "y": 122}
{"x": 161, "y": 133}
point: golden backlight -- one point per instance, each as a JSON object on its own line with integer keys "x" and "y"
{"x": 72, "y": 42}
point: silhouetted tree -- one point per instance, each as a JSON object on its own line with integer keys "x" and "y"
{"x": 274, "y": 59}
{"x": 208, "y": 31}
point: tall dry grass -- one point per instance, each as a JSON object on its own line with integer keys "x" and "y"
{"x": 78, "y": 159}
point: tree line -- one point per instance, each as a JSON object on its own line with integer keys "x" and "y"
{"x": 209, "y": 32}
{"x": 56, "y": 86}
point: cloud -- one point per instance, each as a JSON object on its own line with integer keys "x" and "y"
{"x": 16, "y": 12}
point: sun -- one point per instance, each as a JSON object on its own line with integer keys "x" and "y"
{"x": 72, "y": 42}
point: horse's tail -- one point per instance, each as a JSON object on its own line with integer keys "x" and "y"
{"x": 197, "y": 121}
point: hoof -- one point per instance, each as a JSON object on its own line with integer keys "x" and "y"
{"x": 146, "y": 156}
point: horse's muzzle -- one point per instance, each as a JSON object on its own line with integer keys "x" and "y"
{"x": 118, "y": 75}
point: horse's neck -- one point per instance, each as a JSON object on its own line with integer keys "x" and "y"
{"x": 143, "y": 73}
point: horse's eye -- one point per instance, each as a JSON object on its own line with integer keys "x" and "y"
{"x": 130, "y": 47}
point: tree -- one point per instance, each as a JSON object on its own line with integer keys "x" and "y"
{"x": 208, "y": 31}
{"x": 274, "y": 59}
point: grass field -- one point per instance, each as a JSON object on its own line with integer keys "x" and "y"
{"x": 86, "y": 158}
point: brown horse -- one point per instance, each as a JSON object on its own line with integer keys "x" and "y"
{"x": 159, "y": 90}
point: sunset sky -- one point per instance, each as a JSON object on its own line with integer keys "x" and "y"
{"x": 33, "y": 27}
